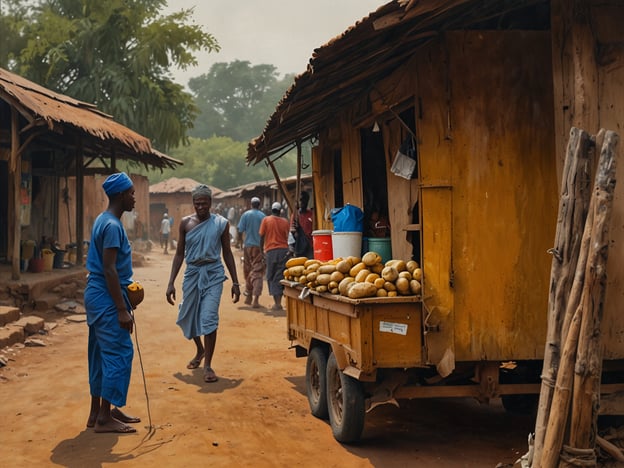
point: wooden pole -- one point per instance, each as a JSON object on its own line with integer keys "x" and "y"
{"x": 588, "y": 369}
{"x": 79, "y": 202}
{"x": 15, "y": 176}
{"x": 573, "y": 205}
{"x": 589, "y": 254}
{"x": 284, "y": 192}
{"x": 553, "y": 437}
{"x": 298, "y": 185}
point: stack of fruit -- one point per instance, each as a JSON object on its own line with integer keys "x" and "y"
{"x": 357, "y": 277}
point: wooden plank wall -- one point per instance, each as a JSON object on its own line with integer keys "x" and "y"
{"x": 588, "y": 78}
{"x": 505, "y": 194}
{"x": 351, "y": 162}
{"x": 94, "y": 202}
{"x": 436, "y": 193}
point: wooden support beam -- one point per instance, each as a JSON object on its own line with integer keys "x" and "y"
{"x": 79, "y": 203}
{"x": 280, "y": 184}
{"x": 15, "y": 178}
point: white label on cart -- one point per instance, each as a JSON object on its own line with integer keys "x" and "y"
{"x": 391, "y": 327}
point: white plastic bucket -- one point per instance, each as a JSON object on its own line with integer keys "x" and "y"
{"x": 347, "y": 244}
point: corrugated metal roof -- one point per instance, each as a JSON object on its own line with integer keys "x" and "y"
{"x": 348, "y": 66}
{"x": 179, "y": 185}
{"x": 41, "y": 106}
{"x": 252, "y": 187}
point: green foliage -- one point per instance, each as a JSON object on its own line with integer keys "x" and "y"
{"x": 219, "y": 161}
{"x": 235, "y": 99}
{"x": 116, "y": 54}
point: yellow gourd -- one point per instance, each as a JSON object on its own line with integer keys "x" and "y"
{"x": 361, "y": 290}
{"x": 296, "y": 261}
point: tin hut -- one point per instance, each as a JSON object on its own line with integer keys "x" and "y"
{"x": 480, "y": 96}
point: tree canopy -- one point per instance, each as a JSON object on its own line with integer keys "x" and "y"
{"x": 116, "y": 54}
{"x": 235, "y": 99}
{"x": 220, "y": 161}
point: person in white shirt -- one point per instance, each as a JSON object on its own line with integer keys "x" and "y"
{"x": 165, "y": 229}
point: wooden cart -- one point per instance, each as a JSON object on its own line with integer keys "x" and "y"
{"x": 365, "y": 352}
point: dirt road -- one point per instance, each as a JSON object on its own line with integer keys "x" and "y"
{"x": 256, "y": 414}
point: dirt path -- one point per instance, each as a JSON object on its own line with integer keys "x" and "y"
{"x": 255, "y": 415}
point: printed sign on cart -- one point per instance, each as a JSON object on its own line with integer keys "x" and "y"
{"x": 392, "y": 327}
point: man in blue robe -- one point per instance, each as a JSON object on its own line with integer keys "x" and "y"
{"x": 109, "y": 313}
{"x": 203, "y": 239}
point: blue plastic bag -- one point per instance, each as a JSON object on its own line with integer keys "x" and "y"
{"x": 349, "y": 218}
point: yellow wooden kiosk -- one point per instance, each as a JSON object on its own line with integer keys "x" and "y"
{"x": 485, "y": 93}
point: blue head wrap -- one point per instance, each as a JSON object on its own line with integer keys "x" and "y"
{"x": 117, "y": 183}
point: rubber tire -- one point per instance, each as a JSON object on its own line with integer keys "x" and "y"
{"x": 316, "y": 386}
{"x": 345, "y": 398}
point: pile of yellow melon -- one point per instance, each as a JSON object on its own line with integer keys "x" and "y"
{"x": 356, "y": 277}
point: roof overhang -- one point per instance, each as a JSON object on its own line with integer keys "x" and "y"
{"x": 347, "y": 67}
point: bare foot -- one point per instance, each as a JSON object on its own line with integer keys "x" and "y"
{"x": 91, "y": 420}
{"x": 248, "y": 300}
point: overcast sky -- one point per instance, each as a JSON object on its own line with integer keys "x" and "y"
{"x": 282, "y": 33}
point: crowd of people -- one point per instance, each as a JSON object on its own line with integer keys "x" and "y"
{"x": 204, "y": 247}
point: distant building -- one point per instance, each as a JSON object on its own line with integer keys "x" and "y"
{"x": 172, "y": 196}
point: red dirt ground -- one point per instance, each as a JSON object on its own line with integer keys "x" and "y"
{"x": 257, "y": 413}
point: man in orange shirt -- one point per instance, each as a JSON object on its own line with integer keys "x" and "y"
{"x": 274, "y": 233}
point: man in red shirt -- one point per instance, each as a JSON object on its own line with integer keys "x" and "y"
{"x": 274, "y": 233}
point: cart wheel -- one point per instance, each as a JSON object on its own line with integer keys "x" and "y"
{"x": 345, "y": 398}
{"x": 316, "y": 386}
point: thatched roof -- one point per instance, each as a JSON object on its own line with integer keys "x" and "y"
{"x": 179, "y": 185}
{"x": 348, "y": 66}
{"x": 61, "y": 121}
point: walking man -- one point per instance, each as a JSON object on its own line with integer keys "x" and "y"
{"x": 203, "y": 239}
{"x": 253, "y": 258}
{"x": 109, "y": 313}
{"x": 274, "y": 232}
{"x": 165, "y": 229}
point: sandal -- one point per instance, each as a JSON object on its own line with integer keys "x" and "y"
{"x": 194, "y": 363}
{"x": 209, "y": 375}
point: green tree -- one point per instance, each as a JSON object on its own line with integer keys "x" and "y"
{"x": 116, "y": 54}
{"x": 236, "y": 99}
{"x": 219, "y": 161}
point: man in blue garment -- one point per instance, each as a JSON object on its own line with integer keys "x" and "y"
{"x": 253, "y": 258}
{"x": 203, "y": 239}
{"x": 109, "y": 313}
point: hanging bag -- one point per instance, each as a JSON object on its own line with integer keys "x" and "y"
{"x": 404, "y": 162}
{"x": 302, "y": 244}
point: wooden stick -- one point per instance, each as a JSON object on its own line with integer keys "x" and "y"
{"x": 280, "y": 184}
{"x": 574, "y": 199}
{"x": 561, "y": 398}
{"x": 588, "y": 367}
{"x": 610, "y": 448}
{"x": 553, "y": 438}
